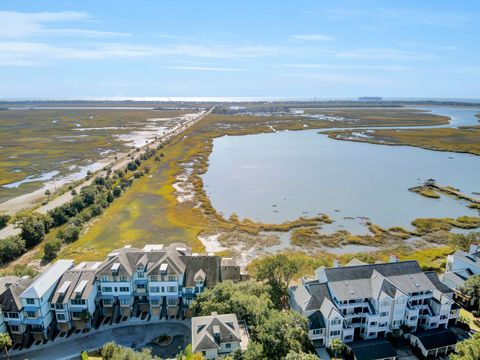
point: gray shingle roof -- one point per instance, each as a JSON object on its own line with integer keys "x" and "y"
{"x": 10, "y": 298}
{"x": 316, "y": 321}
{"x": 432, "y": 275}
{"x": 436, "y": 338}
{"x": 372, "y": 349}
{"x": 204, "y": 327}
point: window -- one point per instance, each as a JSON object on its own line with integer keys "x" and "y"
{"x": 171, "y": 302}
{"x": 154, "y": 289}
{"x": 172, "y": 277}
{"x": 140, "y": 274}
{"x": 13, "y": 315}
{"x": 76, "y": 314}
{"x": 77, "y": 302}
{"x": 104, "y": 278}
{"x": 59, "y": 306}
{"x": 61, "y": 317}
{"x": 371, "y": 334}
{"x": 317, "y": 332}
{"x": 373, "y": 323}
{"x": 199, "y": 283}
{"x": 386, "y": 302}
{"x": 124, "y": 289}
{"x": 31, "y": 314}
{"x": 141, "y": 286}
{"x": 336, "y": 322}
{"x": 124, "y": 301}
{"x": 153, "y": 278}
{"x": 188, "y": 290}
{"x": 107, "y": 302}
{"x": 31, "y": 301}
{"x": 123, "y": 278}
{"x": 107, "y": 289}
{"x": 187, "y": 301}
{"x": 154, "y": 302}
{"x": 228, "y": 346}
{"x": 335, "y": 333}
{"x": 171, "y": 289}
{"x": 383, "y": 314}
{"x": 14, "y": 328}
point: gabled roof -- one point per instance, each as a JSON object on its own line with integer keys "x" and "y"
{"x": 199, "y": 275}
{"x": 436, "y": 338}
{"x": 47, "y": 279}
{"x": 205, "y": 327}
{"x": 209, "y": 265}
{"x": 10, "y": 299}
{"x": 444, "y": 289}
{"x": 316, "y": 321}
{"x": 75, "y": 284}
{"x": 376, "y": 349}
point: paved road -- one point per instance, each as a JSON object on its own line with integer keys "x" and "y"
{"x": 120, "y": 163}
{"x": 132, "y": 335}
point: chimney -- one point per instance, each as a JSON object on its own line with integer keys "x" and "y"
{"x": 473, "y": 249}
{"x": 336, "y": 264}
{"x": 214, "y": 314}
{"x": 393, "y": 258}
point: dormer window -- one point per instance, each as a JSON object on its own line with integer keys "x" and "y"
{"x": 140, "y": 274}
{"x": 199, "y": 283}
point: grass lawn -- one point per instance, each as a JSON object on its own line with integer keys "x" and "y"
{"x": 468, "y": 315}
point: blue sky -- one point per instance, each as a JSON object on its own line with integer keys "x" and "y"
{"x": 249, "y": 48}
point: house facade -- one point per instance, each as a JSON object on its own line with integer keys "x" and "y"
{"x": 361, "y": 301}
{"x": 217, "y": 335}
{"x": 37, "y": 314}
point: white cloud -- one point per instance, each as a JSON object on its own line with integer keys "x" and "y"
{"x": 342, "y": 66}
{"x": 27, "y": 25}
{"x": 390, "y": 54}
{"x": 203, "y": 68}
{"x": 313, "y": 37}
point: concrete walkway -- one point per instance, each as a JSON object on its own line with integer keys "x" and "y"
{"x": 133, "y": 333}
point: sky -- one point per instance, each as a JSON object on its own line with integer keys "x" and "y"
{"x": 118, "y": 49}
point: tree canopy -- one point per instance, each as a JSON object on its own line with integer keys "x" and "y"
{"x": 468, "y": 349}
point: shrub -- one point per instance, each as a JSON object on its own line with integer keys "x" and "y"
{"x": 11, "y": 248}
{"x": 4, "y": 219}
{"x": 69, "y": 234}
{"x": 117, "y": 191}
{"x": 51, "y": 249}
{"x": 132, "y": 166}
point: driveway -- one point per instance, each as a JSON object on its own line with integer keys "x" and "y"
{"x": 131, "y": 335}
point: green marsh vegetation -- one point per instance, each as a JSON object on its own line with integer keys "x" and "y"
{"x": 462, "y": 140}
{"x": 39, "y": 141}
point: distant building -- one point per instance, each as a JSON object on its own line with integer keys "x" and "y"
{"x": 361, "y": 301}
{"x": 217, "y": 335}
{"x": 460, "y": 266}
{"x": 370, "y": 98}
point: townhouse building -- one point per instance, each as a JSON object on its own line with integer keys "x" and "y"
{"x": 74, "y": 299}
{"x": 362, "y": 301}
{"x": 161, "y": 281}
{"x": 12, "y": 307}
{"x": 35, "y": 299}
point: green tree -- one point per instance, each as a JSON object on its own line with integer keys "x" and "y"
{"x": 337, "y": 346}
{"x": 468, "y": 349}
{"x": 278, "y": 271}
{"x": 51, "y": 249}
{"x": 33, "y": 228}
{"x": 11, "y": 248}
{"x": 281, "y": 332}
{"x": 5, "y": 343}
{"x": 117, "y": 191}
{"x": 471, "y": 286}
{"x": 69, "y": 234}
{"x": 463, "y": 241}
{"x": 300, "y": 356}
{"x": 112, "y": 351}
{"x": 254, "y": 351}
{"x": 4, "y": 219}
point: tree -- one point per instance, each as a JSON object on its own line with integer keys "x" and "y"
{"x": 254, "y": 351}
{"x": 112, "y": 351}
{"x": 59, "y": 215}
{"x": 468, "y": 349}
{"x": 282, "y": 332}
{"x": 11, "y": 248}
{"x": 300, "y": 356}
{"x": 4, "y": 219}
{"x": 337, "y": 346}
{"x": 69, "y": 234}
{"x": 33, "y": 228}
{"x": 277, "y": 270}
{"x": 117, "y": 191}
{"x": 463, "y": 241}
{"x": 51, "y": 248}
{"x": 5, "y": 343}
